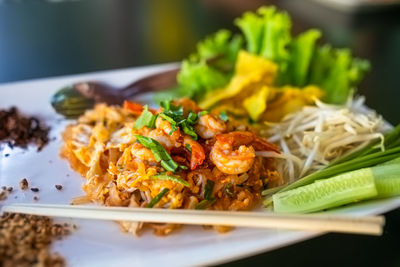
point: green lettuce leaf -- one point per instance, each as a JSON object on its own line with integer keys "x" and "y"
{"x": 252, "y": 27}
{"x": 337, "y": 73}
{"x": 210, "y": 67}
{"x": 276, "y": 34}
{"x": 301, "y": 53}
{"x": 267, "y": 33}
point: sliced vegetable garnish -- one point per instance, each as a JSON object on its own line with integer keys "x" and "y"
{"x": 202, "y": 113}
{"x": 157, "y": 198}
{"x": 172, "y": 178}
{"x": 204, "y": 204}
{"x": 208, "y": 190}
{"x": 223, "y": 116}
{"x": 387, "y": 179}
{"x": 187, "y": 146}
{"x": 391, "y": 140}
{"x": 328, "y": 193}
{"x": 146, "y": 119}
{"x": 183, "y": 167}
{"x": 160, "y": 154}
{"x": 174, "y": 115}
{"x": 351, "y": 165}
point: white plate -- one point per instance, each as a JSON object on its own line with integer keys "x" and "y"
{"x": 98, "y": 243}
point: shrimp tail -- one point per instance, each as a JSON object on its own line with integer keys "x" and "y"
{"x": 261, "y": 144}
{"x": 197, "y": 153}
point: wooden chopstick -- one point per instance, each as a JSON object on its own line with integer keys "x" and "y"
{"x": 371, "y": 225}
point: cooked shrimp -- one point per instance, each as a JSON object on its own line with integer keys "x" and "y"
{"x": 197, "y": 152}
{"x": 165, "y": 134}
{"x": 209, "y": 126}
{"x": 234, "y": 153}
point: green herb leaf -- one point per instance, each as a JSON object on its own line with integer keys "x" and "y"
{"x": 183, "y": 167}
{"x": 173, "y": 178}
{"x": 157, "y": 198}
{"x": 187, "y": 129}
{"x": 208, "y": 189}
{"x": 204, "y": 204}
{"x": 169, "y": 165}
{"x": 223, "y": 116}
{"x": 192, "y": 118}
{"x": 146, "y": 119}
{"x": 202, "y": 113}
{"x": 167, "y": 118}
{"x": 174, "y": 115}
{"x": 187, "y": 146}
{"x": 160, "y": 154}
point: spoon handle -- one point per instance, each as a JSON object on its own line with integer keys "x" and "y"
{"x": 152, "y": 83}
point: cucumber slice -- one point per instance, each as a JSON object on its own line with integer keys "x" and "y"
{"x": 327, "y": 193}
{"x": 387, "y": 180}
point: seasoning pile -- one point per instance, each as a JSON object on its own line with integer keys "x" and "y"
{"x": 25, "y": 240}
{"x": 4, "y": 192}
{"x": 18, "y": 130}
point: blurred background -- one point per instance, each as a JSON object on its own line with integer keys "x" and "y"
{"x": 41, "y": 38}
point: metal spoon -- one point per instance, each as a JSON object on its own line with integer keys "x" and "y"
{"x": 73, "y": 100}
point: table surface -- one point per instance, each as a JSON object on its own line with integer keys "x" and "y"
{"x": 51, "y": 38}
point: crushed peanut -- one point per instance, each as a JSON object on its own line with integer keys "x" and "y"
{"x": 25, "y": 240}
{"x": 23, "y": 184}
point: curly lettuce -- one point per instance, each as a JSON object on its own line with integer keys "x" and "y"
{"x": 337, "y": 72}
{"x": 209, "y": 68}
{"x": 267, "y": 34}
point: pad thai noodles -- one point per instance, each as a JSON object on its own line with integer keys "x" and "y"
{"x": 177, "y": 157}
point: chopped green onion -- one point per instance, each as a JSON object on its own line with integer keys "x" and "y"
{"x": 202, "y": 113}
{"x": 223, "y": 116}
{"x": 174, "y": 115}
{"x": 166, "y": 104}
{"x": 187, "y": 129}
{"x": 192, "y": 118}
{"x": 159, "y": 153}
{"x": 157, "y": 198}
{"x": 204, "y": 204}
{"x": 187, "y": 146}
{"x": 208, "y": 189}
{"x": 167, "y": 118}
{"x": 145, "y": 119}
{"x": 169, "y": 165}
{"x": 173, "y": 178}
